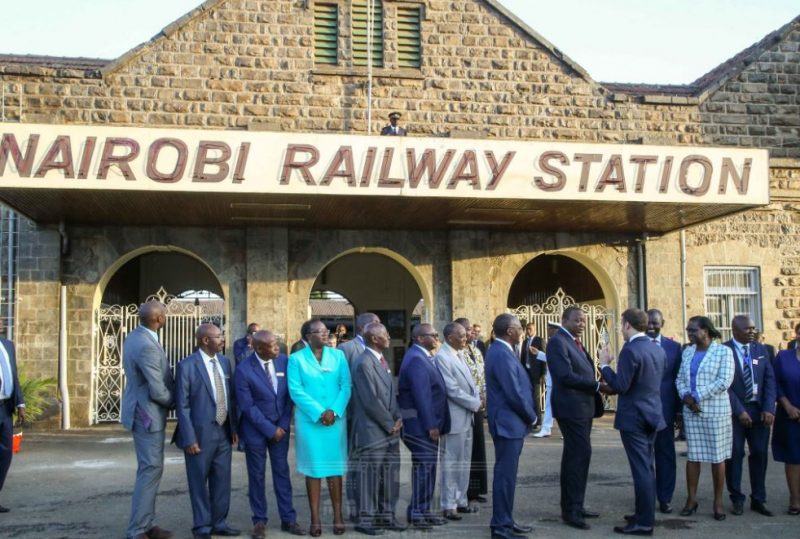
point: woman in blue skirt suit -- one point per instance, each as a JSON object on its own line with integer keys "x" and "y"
{"x": 786, "y": 435}
{"x": 319, "y": 384}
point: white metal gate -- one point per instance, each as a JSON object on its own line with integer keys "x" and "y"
{"x": 112, "y": 323}
{"x": 600, "y": 323}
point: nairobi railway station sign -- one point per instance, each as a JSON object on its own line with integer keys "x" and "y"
{"x": 145, "y": 159}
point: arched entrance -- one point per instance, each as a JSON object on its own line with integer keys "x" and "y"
{"x": 545, "y": 286}
{"x": 372, "y": 281}
{"x": 182, "y": 281}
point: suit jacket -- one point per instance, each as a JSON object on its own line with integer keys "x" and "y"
{"x": 195, "y": 404}
{"x": 670, "y": 401}
{"x": 149, "y": 387}
{"x": 509, "y": 399}
{"x": 573, "y": 376}
{"x": 640, "y": 369}
{"x": 422, "y": 395}
{"x": 260, "y": 410}
{"x": 535, "y": 368}
{"x": 763, "y": 375}
{"x": 351, "y": 350}
{"x": 387, "y": 131}
{"x": 374, "y": 409}
{"x": 241, "y": 349}
{"x": 16, "y": 398}
{"x": 463, "y": 397}
{"x": 714, "y": 377}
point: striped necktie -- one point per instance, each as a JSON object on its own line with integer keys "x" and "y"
{"x": 747, "y": 374}
{"x": 219, "y": 392}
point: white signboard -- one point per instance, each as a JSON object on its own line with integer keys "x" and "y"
{"x": 139, "y": 159}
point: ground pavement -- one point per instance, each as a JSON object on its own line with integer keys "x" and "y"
{"x": 78, "y": 484}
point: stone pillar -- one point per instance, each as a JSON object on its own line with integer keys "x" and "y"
{"x": 267, "y": 259}
{"x": 38, "y": 285}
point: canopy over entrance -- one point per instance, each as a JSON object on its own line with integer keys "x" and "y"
{"x": 137, "y": 176}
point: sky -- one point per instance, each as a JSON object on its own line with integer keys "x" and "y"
{"x": 649, "y": 41}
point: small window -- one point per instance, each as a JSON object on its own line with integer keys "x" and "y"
{"x": 409, "y": 37}
{"x": 731, "y": 291}
{"x": 361, "y": 20}
{"x": 326, "y": 34}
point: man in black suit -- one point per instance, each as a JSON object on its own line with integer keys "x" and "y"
{"x": 10, "y": 401}
{"x": 529, "y": 355}
{"x": 752, "y": 395}
{"x": 639, "y": 415}
{"x": 393, "y": 130}
{"x": 573, "y": 402}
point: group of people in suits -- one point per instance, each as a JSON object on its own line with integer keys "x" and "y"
{"x": 349, "y": 419}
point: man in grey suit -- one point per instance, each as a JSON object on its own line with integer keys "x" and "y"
{"x": 352, "y": 349}
{"x": 463, "y": 400}
{"x": 148, "y": 396}
{"x": 375, "y": 435}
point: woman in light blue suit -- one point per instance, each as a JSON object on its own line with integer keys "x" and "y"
{"x": 319, "y": 384}
{"x": 703, "y": 380}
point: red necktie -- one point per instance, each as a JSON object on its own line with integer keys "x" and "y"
{"x": 580, "y": 344}
{"x": 384, "y": 364}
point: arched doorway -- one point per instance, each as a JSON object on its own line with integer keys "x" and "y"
{"x": 371, "y": 282}
{"x": 182, "y": 281}
{"x": 544, "y": 275}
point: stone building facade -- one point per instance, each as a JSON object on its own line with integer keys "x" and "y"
{"x": 484, "y": 74}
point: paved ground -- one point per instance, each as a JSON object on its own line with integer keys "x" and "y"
{"x": 78, "y": 484}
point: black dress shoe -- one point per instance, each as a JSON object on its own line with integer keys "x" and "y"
{"x": 521, "y": 528}
{"x": 292, "y": 528}
{"x": 480, "y": 499}
{"x": 688, "y": 510}
{"x": 227, "y": 531}
{"x": 665, "y": 507}
{"x": 589, "y": 514}
{"x": 393, "y": 524}
{"x": 576, "y": 522}
{"x": 719, "y": 516}
{"x": 433, "y": 520}
{"x": 421, "y": 524}
{"x": 505, "y": 533}
{"x": 759, "y": 507}
{"x": 451, "y": 515}
{"x": 4, "y": 509}
{"x": 368, "y": 530}
{"x": 632, "y": 529}
{"x": 738, "y": 508}
{"x": 468, "y": 509}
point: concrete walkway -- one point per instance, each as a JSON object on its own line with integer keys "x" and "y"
{"x": 78, "y": 484}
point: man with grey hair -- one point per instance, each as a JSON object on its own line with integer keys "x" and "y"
{"x": 463, "y": 400}
{"x": 148, "y": 396}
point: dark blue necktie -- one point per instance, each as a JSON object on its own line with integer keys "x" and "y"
{"x": 747, "y": 374}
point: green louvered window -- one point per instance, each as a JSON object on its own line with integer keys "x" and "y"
{"x": 409, "y": 37}
{"x": 360, "y": 20}
{"x": 326, "y": 34}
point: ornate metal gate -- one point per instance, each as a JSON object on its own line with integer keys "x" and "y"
{"x": 600, "y": 323}
{"x": 112, "y": 323}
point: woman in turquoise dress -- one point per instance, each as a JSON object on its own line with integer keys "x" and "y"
{"x": 319, "y": 384}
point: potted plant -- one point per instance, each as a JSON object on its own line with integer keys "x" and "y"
{"x": 38, "y": 394}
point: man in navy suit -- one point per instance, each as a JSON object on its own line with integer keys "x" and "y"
{"x": 752, "y": 395}
{"x": 573, "y": 403}
{"x": 639, "y": 416}
{"x": 666, "y": 464}
{"x": 265, "y": 412}
{"x": 422, "y": 398}
{"x": 244, "y": 347}
{"x": 10, "y": 401}
{"x": 509, "y": 406}
{"x": 206, "y": 430}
